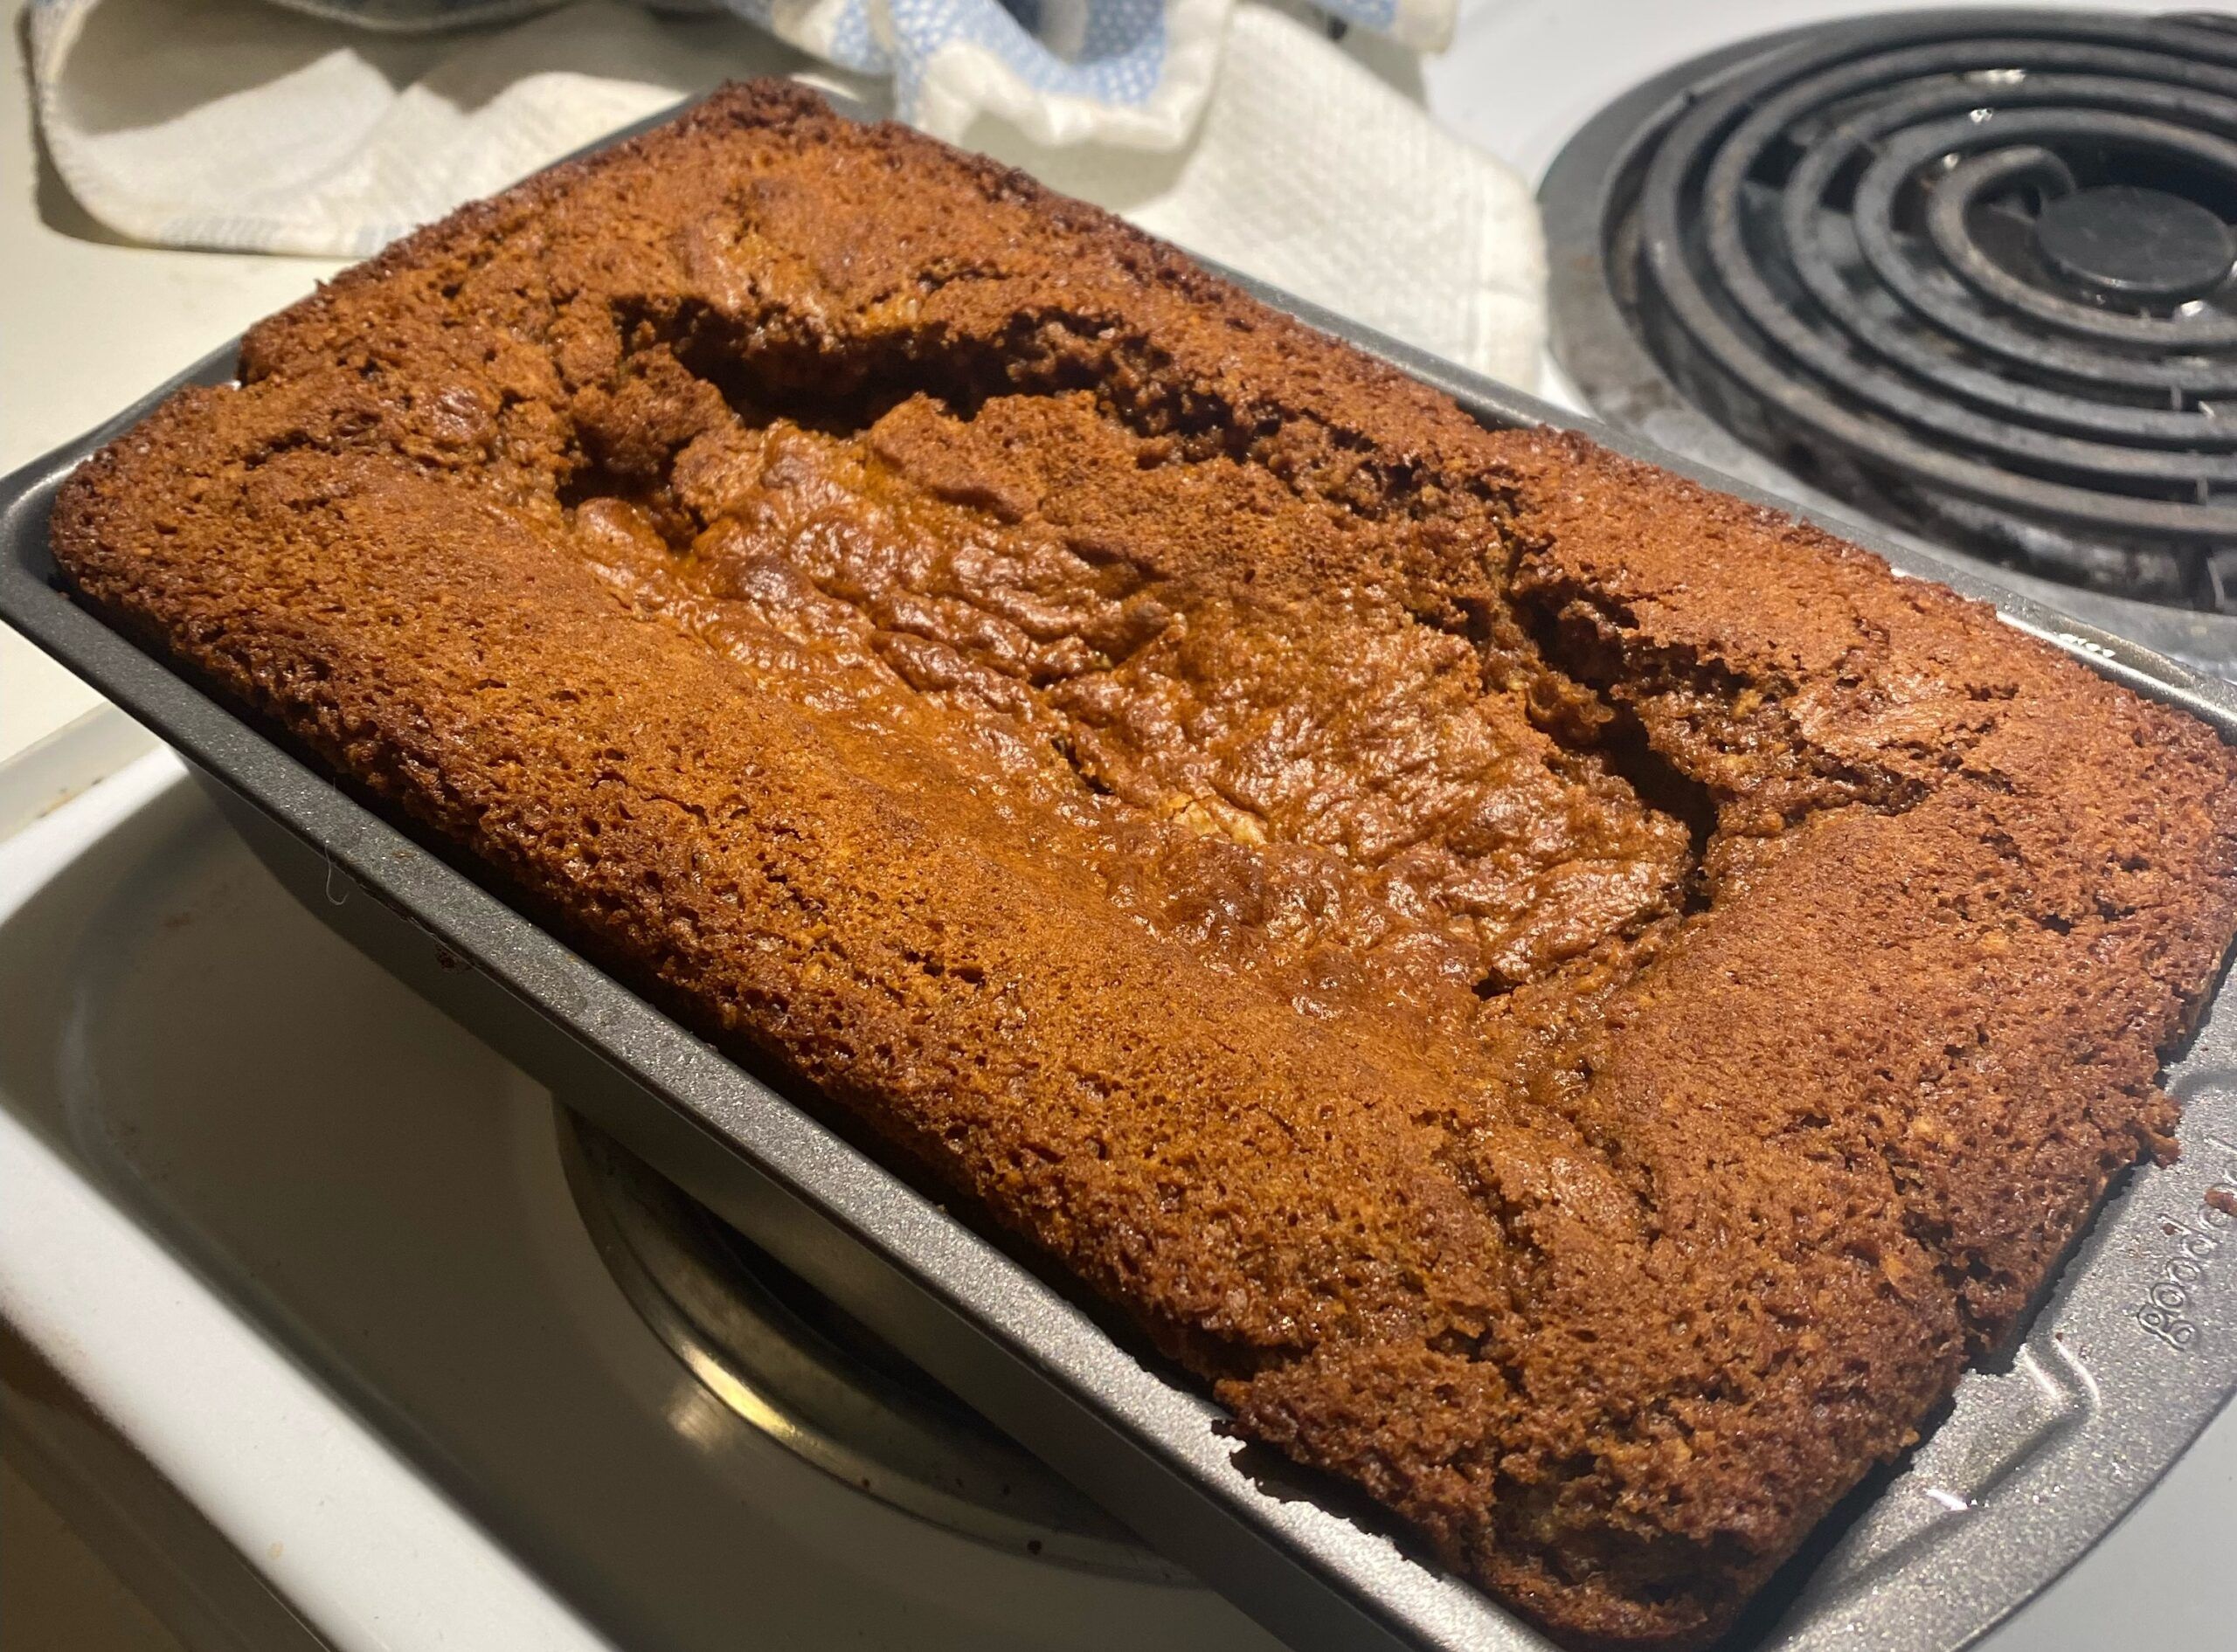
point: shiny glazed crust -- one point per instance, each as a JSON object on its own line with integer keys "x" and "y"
{"x": 1576, "y": 1004}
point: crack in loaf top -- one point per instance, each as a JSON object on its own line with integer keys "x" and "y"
{"x": 1573, "y": 1001}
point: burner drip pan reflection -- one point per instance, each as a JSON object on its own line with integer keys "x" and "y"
{"x": 781, "y": 1360}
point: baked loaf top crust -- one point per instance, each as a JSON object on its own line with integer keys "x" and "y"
{"x": 1575, "y": 1002}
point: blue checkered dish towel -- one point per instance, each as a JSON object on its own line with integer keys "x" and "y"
{"x": 1133, "y": 73}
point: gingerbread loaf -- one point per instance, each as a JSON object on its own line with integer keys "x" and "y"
{"x": 1575, "y": 1004}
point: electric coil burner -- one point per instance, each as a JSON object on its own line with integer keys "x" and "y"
{"x": 1969, "y": 272}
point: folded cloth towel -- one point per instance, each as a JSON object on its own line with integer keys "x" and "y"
{"x": 227, "y": 123}
{"x": 1132, "y": 72}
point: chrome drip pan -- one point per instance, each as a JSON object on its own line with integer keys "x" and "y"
{"x": 786, "y": 1361}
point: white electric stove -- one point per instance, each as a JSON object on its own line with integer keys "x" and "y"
{"x": 317, "y": 1320}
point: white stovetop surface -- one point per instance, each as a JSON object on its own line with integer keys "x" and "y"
{"x": 89, "y": 325}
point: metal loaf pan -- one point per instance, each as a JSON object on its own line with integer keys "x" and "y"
{"x": 2130, "y": 1356}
